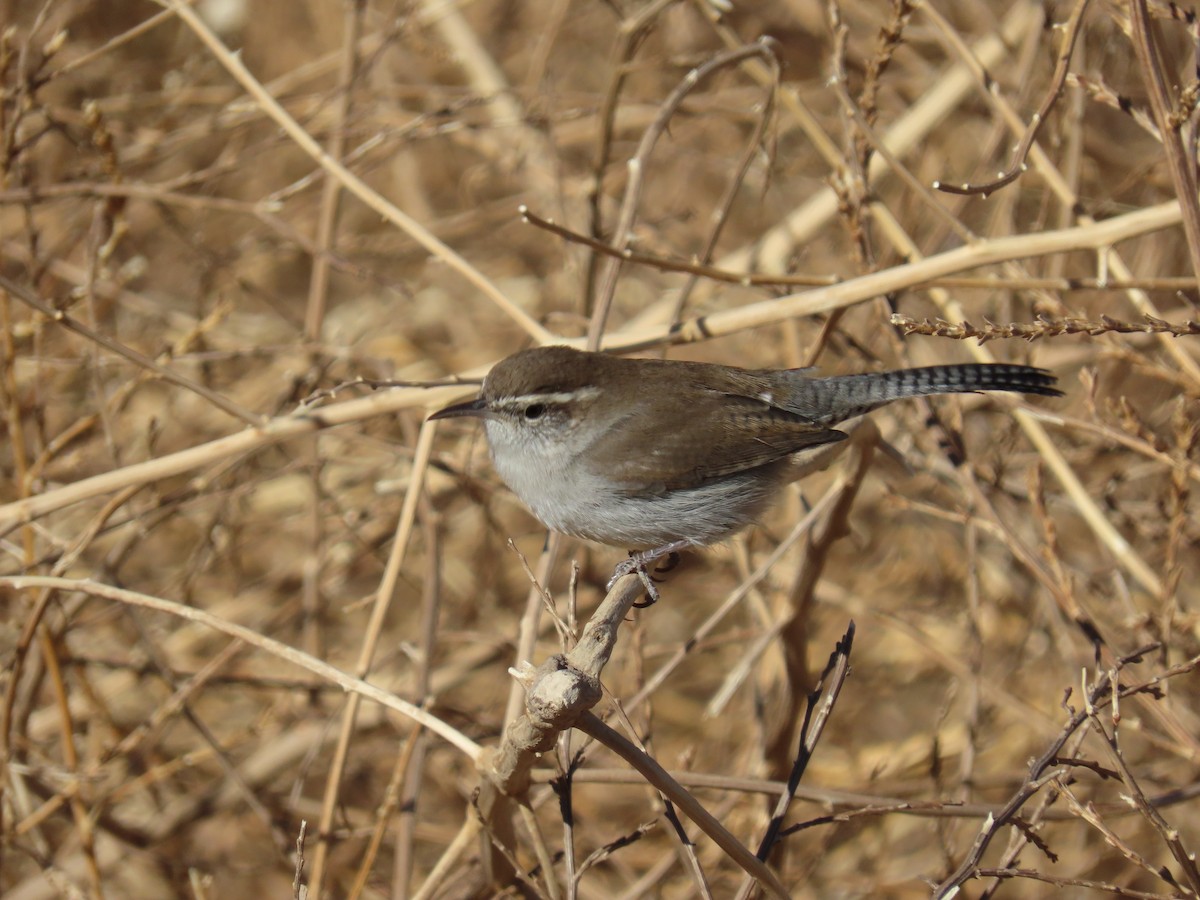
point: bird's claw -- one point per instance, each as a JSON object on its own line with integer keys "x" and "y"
{"x": 632, "y": 565}
{"x": 638, "y": 562}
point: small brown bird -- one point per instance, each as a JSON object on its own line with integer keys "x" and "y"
{"x": 658, "y": 455}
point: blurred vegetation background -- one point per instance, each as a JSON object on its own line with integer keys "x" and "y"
{"x": 191, "y": 292}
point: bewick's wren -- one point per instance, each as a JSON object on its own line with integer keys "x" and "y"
{"x": 657, "y": 455}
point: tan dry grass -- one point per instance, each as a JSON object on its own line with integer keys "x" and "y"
{"x": 233, "y": 235}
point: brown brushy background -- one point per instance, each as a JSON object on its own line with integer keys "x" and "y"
{"x": 158, "y": 205}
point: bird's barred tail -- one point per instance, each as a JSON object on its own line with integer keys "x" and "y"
{"x": 844, "y": 396}
{"x": 963, "y": 378}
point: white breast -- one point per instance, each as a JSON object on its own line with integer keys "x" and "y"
{"x": 566, "y": 496}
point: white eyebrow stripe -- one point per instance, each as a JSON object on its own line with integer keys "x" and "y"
{"x": 559, "y": 398}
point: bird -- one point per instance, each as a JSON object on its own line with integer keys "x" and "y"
{"x": 658, "y": 455}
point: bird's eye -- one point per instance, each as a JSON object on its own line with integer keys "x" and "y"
{"x": 534, "y": 411}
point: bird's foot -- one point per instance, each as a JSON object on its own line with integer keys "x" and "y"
{"x": 639, "y": 562}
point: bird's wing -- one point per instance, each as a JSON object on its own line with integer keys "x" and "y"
{"x": 745, "y": 432}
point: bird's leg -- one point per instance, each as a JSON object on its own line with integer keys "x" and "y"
{"x": 639, "y": 561}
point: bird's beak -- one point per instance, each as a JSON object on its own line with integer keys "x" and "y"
{"x": 476, "y": 407}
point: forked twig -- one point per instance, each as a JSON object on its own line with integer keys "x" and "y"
{"x": 1039, "y": 775}
{"x": 1057, "y": 83}
{"x": 661, "y": 779}
{"x": 820, "y": 704}
{"x": 622, "y": 232}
